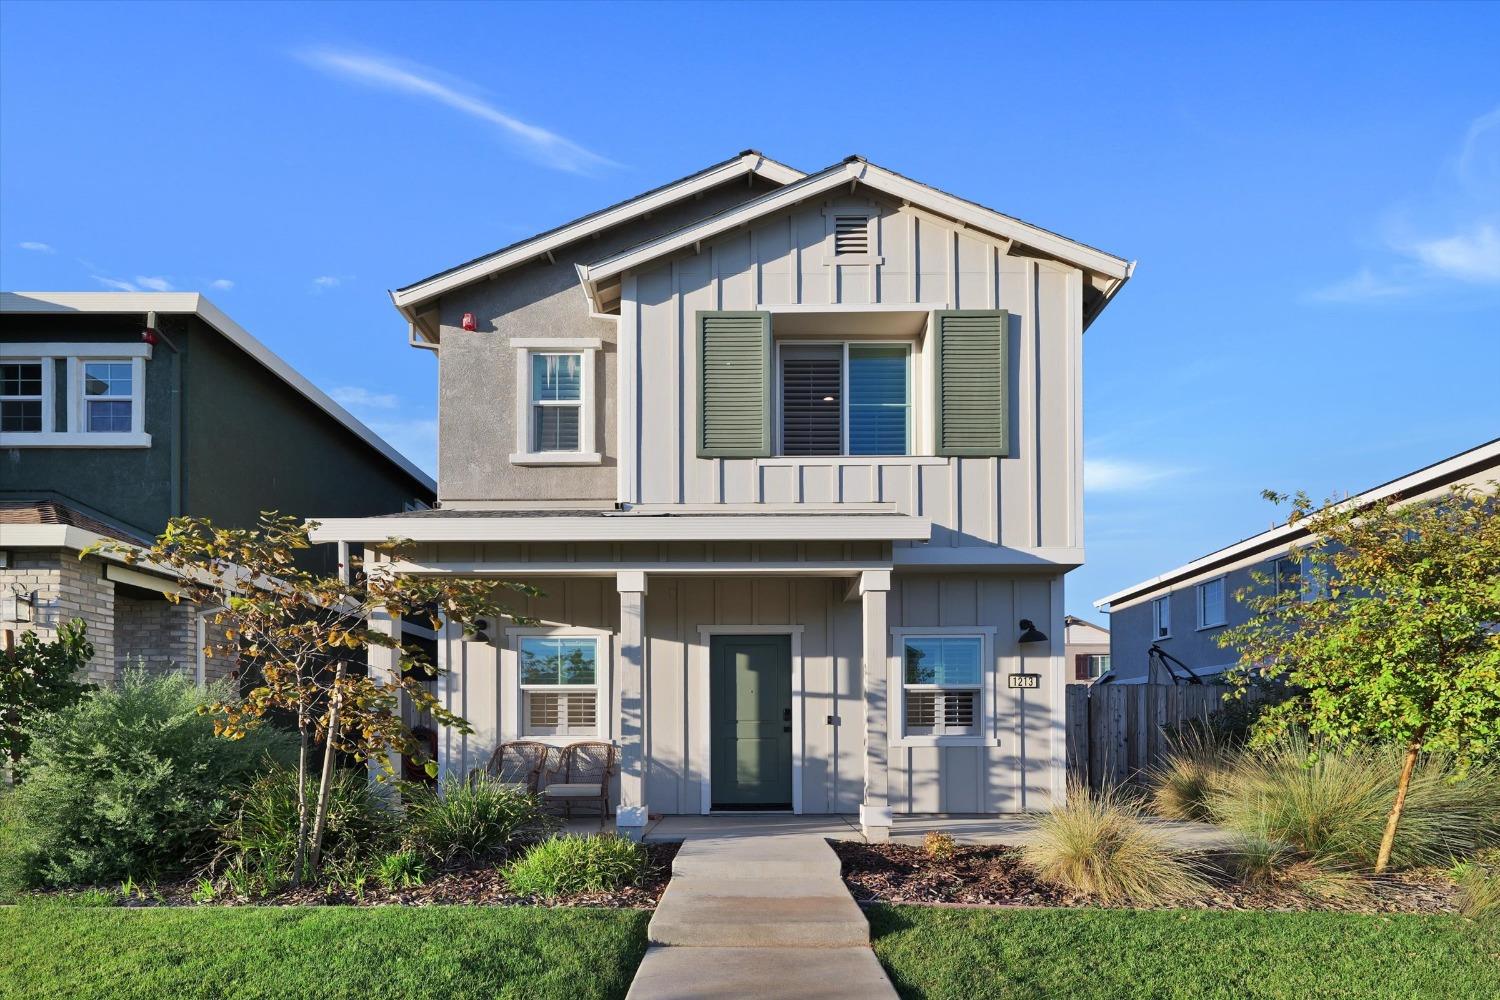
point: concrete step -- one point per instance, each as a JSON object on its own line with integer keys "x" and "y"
{"x": 784, "y": 915}
{"x": 804, "y": 857}
{"x": 763, "y": 973}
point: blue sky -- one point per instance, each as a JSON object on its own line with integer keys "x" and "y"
{"x": 1312, "y": 191}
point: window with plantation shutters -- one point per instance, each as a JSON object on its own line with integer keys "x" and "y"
{"x": 973, "y": 382}
{"x": 941, "y": 678}
{"x": 734, "y": 385}
{"x": 559, "y": 685}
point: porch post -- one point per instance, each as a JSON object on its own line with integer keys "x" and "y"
{"x": 383, "y": 664}
{"x": 874, "y": 812}
{"x": 630, "y": 815}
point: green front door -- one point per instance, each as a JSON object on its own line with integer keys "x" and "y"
{"x": 750, "y": 710}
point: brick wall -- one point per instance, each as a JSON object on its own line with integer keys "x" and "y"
{"x": 66, "y": 588}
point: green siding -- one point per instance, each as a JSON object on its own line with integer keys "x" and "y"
{"x": 734, "y": 384}
{"x": 973, "y": 382}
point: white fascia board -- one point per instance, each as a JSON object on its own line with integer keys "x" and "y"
{"x": 47, "y": 536}
{"x": 405, "y": 299}
{"x": 1486, "y": 457}
{"x": 193, "y": 303}
{"x": 878, "y": 179}
{"x": 644, "y": 528}
{"x": 1051, "y": 559}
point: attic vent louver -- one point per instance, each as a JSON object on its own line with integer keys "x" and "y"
{"x": 851, "y": 235}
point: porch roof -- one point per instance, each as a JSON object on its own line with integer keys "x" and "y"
{"x": 623, "y": 526}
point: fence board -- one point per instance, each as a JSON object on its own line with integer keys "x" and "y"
{"x": 1115, "y": 732}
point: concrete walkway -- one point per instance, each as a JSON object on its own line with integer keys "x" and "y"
{"x": 759, "y": 914}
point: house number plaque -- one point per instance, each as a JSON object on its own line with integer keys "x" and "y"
{"x": 1023, "y": 681}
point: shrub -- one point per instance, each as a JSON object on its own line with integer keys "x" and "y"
{"x": 129, "y": 782}
{"x": 1181, "y": 784}
{"x": 1097, "y": 844}
{"x": 938, "y": 846}
{"x": 472, "y": 820}
{"x": 401, "y": 869}
{"x": 1261, "y": 863}
{"x": 258, "y": 851}
{"x": 565, "y": 865}
{"x": 1479, "y": 886}
{"x": 1332, "y": 805}
{"x": 17, "y": 849}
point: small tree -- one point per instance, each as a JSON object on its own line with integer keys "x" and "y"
{"x": 1391, "y": 636}
{"x": 37, "y": 677}
{"x": 300, "y": 630}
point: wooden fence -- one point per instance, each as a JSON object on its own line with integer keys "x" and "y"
{"x": 1115, "y": 731}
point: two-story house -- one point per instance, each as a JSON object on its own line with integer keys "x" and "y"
{"x": 1183, "y": 611}
{"x": 121, "y": 410}
{"x": 797, "y": 460}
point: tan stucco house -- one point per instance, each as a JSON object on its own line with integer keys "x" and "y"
{"x": 797, "y": 460}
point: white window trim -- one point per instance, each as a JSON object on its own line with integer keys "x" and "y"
{"x": 588, "y": 449}
{"x": 603, "y": 663}
{"x": 987, "y": 734}
{"x": 74, "y": 354}
{"x": 1164, "y": 602}
{"x": 844, "y": 345}
{"x": 1198, "y": 593}
{"x": 871, "y": 215}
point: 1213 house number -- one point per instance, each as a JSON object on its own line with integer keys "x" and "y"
{"x": 1024, "y": 681}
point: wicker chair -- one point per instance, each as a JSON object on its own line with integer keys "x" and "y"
{"x": 519, "y": 763}
{"x": 581, "y": 776}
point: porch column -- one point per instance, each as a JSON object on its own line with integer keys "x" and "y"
{"x": 630, "y": 816}
{"x": 874, "y": 812}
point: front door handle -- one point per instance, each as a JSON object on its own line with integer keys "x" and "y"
{"x": 786, "y": 715}
{"x": 786, "y": 729}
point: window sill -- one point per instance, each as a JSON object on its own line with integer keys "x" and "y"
{"x": 55, "y": 439}
{"x": 1210, "y": 628}
{"x": 943, "y": 741}
{"x": 556, "y": 458}
{"x": 796, "y": 461}
{"x": 854, "y": 260}
{"x": 562, "y": 741}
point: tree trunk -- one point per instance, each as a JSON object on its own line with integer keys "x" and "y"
{"x": 1394, "y": 819}
{"x": 301, "y": 793}
{"x": 324, "y": 785}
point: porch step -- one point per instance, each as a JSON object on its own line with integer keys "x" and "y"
{"x": 758, "y": 913}
{"x": 770, "y": 973}
{"x": 785, "y": 857}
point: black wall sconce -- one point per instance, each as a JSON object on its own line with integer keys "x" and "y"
{"x": 477, "y": 631}
{"x": 1030, "y": 633}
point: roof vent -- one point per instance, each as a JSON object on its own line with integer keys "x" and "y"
{"x": 851, "y": 235}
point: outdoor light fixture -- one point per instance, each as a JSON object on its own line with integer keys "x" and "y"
{"x": 476, "y": 632}
{"x": 1030, "y": 633}
{"x": 469, "y": 323}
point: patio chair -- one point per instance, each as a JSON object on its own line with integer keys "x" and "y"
{"x": 581, "y": 776}
{"x": 519, "y": 763}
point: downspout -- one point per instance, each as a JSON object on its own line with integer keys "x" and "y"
{"x": 175, "y": 503}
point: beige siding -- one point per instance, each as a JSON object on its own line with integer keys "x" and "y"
{"x": 1027, "y": 500}
{"x": 483, "y": 686}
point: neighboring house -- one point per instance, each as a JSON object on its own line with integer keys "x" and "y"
{"x": 119, "y": 411}
{"x": 793, "y": 458}
{"x": 1086, "y": 649}
{"x": 1183, "y": 611}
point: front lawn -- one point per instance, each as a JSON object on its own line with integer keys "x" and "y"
{"x": 319, "y": 953}
{"x": 1182, "y": 954}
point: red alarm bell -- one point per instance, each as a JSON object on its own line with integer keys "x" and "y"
{"x": 468, "y": 322}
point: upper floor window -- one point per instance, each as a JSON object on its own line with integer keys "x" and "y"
{"x": 103, "y": 385}
{"x": 1161, "y": 617}
{"x": 554, "y": 402}
{"x": 1091, "y": 666}
{"x": 845, "y": 399}
{"x": 21, "y": 397}
{"x": 1211, "y": 603}
{"x": 1286, "y": 574}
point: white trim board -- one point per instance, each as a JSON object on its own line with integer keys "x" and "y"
{"x": 639, "y": 527}
{"x": 699, "y": 693}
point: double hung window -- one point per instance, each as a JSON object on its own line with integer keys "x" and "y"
{"x": 942, "y": 679}
{"x": 556, "y": 402}
{"x": 21, "y": 397}
{"x": 1211, "y": 603}
{"x": 560, "y": 685}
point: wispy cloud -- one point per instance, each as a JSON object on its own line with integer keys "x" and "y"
{"x": 1450, "y": 236}
{"x": 221, "y": 284}
{"x": 157, "y": 284}
{"x": 541, "y": 144}
{"x": 358, "y": 397}
{"x": 36, "y": 247}
{"x": 1122, "y": 475}
{"x": 116, "y": 284}
{"x": 323, "y": 282}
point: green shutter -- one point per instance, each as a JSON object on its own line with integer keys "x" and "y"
{"x": 734, "y": 384}
{"x": 973, "y": 382}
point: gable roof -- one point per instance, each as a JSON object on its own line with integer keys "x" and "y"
{"x": 1476, "y": 465}
{"x": 1107, "y": 272}
{"x": 194, "y": 304}
{"x": 749, "y": 161}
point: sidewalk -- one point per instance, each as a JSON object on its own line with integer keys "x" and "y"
{"x": 762, "y": 916}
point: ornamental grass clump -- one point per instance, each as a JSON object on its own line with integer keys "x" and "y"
{"x": 1180, "y": 785}
{"x": 1479, "y": 886}
{"x": 1097, "y": 844}
{"x": 473, "y": 820}
{"x": 567, "y": 865}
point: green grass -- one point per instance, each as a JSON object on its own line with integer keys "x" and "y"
{"x": 380, "y": 953}
{"x": 940, "y": 953}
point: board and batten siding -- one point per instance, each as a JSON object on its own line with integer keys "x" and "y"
{"x": 1030, "y": 499}
{"x": 482, "y": 685}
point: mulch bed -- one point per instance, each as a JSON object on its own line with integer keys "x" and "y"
{"x": 994, "y": 876}
{"x": 478, "y": 885}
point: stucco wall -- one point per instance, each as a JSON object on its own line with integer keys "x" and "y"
{"x": 477, "y": 378}
{"x": 1131, "y": 634}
